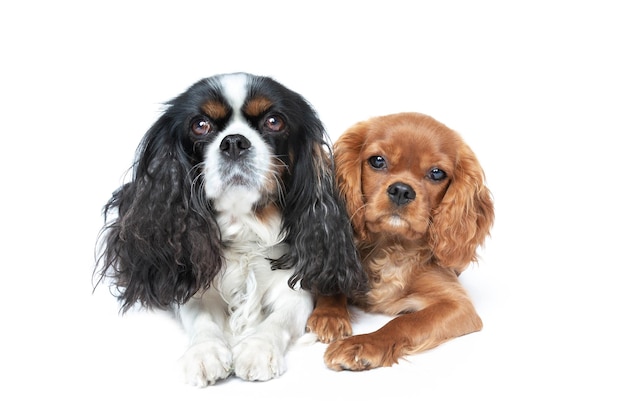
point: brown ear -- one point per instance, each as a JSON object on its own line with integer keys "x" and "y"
{"x": 347, "y": 150}
{"x": 464, "y": 217}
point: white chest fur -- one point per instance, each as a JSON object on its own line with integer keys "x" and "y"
{"x": 247, "y": 276}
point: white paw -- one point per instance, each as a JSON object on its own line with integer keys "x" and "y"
{"x": 258, "y": 360}
{"x": 206, "y": 362}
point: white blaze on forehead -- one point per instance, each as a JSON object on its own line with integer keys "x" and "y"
{"x": 236, "y": 183}
{"x": 235, "y": 90}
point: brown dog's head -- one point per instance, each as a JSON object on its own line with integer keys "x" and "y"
{"x": 408, "y": 177}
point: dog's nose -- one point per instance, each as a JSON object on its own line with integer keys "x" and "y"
{"x": 401, "y": 193}
{"x": 234, "y": 146}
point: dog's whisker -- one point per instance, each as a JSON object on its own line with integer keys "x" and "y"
{"x": 413, "y": 256}
{"x": 206, "y": 230}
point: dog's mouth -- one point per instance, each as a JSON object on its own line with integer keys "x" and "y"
{"x": 242, "y": 174}
{"x": 394, "y": 224}
{"x": 240, "y": 180}
{"x": 396, "y": 221}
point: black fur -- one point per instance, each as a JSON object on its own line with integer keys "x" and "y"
{"x": 164, "y": 244}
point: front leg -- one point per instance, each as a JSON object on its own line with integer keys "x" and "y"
{"x": 260, "y": 355}
{"x": 330, "y": 319}
{"x": 404, "y": 335}
{"x": 208, "y": 358}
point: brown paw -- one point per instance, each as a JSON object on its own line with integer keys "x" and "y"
{"x": 358, "y": 353}
{"x": 328, "y": 325}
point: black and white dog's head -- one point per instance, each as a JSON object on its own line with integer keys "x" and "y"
{"x": 233, "y": 143}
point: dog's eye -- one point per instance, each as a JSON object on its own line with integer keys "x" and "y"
{"x": 377, "y": 162}
{"x": 201, "y": 126}
{"x": 437, "y": 174}
{"x": 274, "y": 123}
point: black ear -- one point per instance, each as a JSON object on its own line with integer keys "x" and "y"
{"x": 163, "y": 244}
{"x": 319, "y": 233}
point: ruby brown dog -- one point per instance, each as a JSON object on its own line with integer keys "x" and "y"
{"x": 420, "y": 209}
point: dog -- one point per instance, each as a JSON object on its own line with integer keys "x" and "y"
{"x": 232, "y": 220}
{"x": 419, "y": 208}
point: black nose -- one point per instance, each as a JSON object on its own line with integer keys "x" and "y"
{"x": 401, "y": 193}
{"x": 234, "y": 146}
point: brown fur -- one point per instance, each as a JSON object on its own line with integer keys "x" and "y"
{"x": 257, "y": 105}
{"x": 412, "y": 252}
{"x": 215, "y": 109}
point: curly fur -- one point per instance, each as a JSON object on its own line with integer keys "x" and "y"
{"x": 225, "y": 212}
{"x": 420, "y": 209}
{"x": 164, "y": 245}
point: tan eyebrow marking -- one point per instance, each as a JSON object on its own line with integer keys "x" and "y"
{"x": 214, "y": 109}
{"x": 257, "y": 106}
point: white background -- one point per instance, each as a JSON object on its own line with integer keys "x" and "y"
{"x": 536, "y": 88}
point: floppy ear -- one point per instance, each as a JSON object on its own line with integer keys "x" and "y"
{"x": 348, "y": 175}
{"x": 464, "y": 217}
{"x": 322, "y": 249}
{"x": 163, "y": 246}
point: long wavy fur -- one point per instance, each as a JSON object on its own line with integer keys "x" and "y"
{"x": 318, "y": 230}
{"x": 161, "y": 245}
{"x": 315, "y": 221}
{"x": 462, "y": 221}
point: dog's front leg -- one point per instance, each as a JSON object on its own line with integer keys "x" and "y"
{"x": 208, "y": 358}
{"x": 330, "y": 319}
{"x": 406, "y": 334}
{"x": 260, "y": 355}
